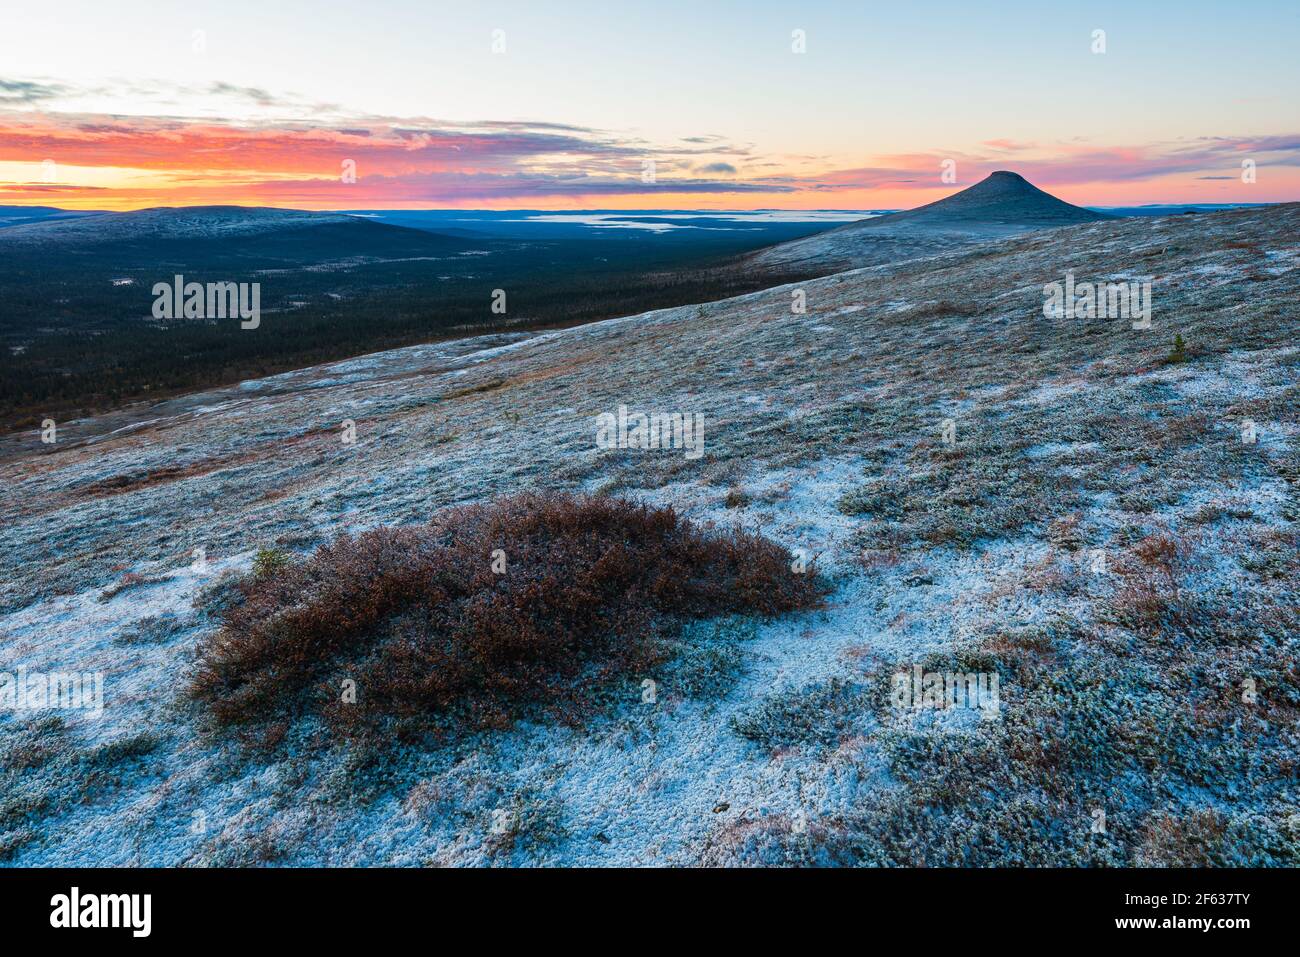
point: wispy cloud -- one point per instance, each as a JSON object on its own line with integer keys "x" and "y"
{"x": 392, "y": 159}
{"x": 20, "y": 189}
{"x": 15, "y": 92}
{"x": 459, "y": 188}
{"x": 296, "y": 152}
{"x": 1071, "y": 164}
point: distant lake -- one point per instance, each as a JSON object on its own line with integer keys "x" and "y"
{"x": 608, "y": 223}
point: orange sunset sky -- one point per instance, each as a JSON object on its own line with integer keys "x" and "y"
{"x": 679, "y": 105}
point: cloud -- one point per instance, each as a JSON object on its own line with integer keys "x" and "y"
{"x": 1072, "y": 164}
{"x": 14, "y": 92}
{"x": 292, "y": 151}
{"x": 164, "y": 143}
{"x": 19, "y": 188}
{"x": 1008, "y": 145}
{"x": 258, "y": 96}
{"x": 395, "y": 160}
{"x": 465, "y": 186}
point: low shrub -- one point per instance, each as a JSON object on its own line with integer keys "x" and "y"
{"x": 817, "y": 715}
{"x": 269, "y": 561}
{"x": 484, "y": 613}
{"x": 1178, "y": 354}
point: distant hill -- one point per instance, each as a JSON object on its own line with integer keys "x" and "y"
{"x": 200, "y": 234}
{"x": 1178, "y": 209}
{"x": 20, "y": 215}
{"x": 1002, "y": 204}
{"x": 1002, "y": 198}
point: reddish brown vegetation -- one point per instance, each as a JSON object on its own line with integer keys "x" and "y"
{"x": 1150, "y": 597}
{"x": 428, "y": 630}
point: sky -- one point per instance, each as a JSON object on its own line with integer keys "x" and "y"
{"x": 637, "y": 105}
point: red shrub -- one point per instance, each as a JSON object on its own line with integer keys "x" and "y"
{"x": 429, "y": 631}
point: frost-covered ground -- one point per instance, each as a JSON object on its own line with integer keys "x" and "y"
{"x": 1098, "y": 535}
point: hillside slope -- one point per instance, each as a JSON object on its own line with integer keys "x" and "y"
{"x": 1155, "y": 684}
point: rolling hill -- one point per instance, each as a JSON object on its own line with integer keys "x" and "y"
{"x": 211, "y": 235}
{"x": 20, "y": 215}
